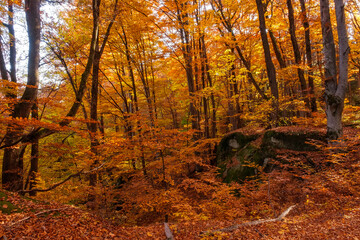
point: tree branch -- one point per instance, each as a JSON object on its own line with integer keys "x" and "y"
{"x": 62, "y": 182}
{"x": 252, "y": 223}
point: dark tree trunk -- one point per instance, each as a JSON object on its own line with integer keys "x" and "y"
{"x": 297, "y": 53}
{"x": 94, "y": 124}
{"x": 306, "y": 26}
{"x": 12, "y": 171}
{"x": 34, "y": 161}
{"x": 182, "y": 17}
{"x": 277, "y": 51}
{"x": 270, "y": 68}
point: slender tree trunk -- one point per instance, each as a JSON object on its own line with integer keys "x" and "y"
{"x": 182, "y": 17}
{"x": 306, "y": 26}
{"x": 297, "y": 53}
{"x": 34, "y": 161}
{"x": 270, "y": 68}
{"x": 12, "y": 41}
{"x": 94, "y": 124}
{"x": 212, "y": 97}
{"x": 3, "y": 70}
{"x": 277, "y": 51}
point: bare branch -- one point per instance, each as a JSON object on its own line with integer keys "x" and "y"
{"x": 252, "y": 223}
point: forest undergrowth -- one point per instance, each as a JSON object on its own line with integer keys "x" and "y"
{"x": 323, "y": 186}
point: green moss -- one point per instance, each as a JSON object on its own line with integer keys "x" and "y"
{"x": 238, "y": 159}
{"x": 3, "y": 195}
{"x": 7, "y": 207}
{"x": 224, "y": 149}
{"x": 242, "y": 165}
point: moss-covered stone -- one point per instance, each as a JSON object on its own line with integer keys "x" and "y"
{"x": 7, "y": 207}
{"x": 243, "y": 164}
{"x": 297, "y": 141}
{"x": 238, "y": 158}
{"x": 231, "y": 143}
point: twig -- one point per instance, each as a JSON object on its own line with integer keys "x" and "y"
{"x": 46, "y": 211}
{"x": 252, "y": 223}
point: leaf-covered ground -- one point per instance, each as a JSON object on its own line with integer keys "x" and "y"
{"x": 325, "y": 191}
{"x": 66, "y": 222}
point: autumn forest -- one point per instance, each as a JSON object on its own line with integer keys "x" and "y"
{"x": 179, "y": 119}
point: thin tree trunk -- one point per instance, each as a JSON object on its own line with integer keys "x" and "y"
{"x": 297, "y": 53}
{"x": 12, "y": 41}
{"x": 306, "y": 26}
{"x": 277, "y": 51}
{"x": 270, "y": 68}
{"x": 187, "y": 54}
{"x": 34, "y": 161}
{"x": 93, "y": 126}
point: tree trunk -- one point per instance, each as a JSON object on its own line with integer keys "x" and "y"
{"x": 297, "y": 53}
{"x": 306, "y": 26}
{"x": 94, "y": 124}
{"x": 335, "y": 89}
{"x": 12, "y": 171}
{"x": 270, "y": 68}
{"x": 277, "y": 51}
{"x": 187, "y": 51}
{"x": 34, "y": 161}
{"x": 12, "y": 41}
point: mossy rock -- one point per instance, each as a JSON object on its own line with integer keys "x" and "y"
{"x": 231, "y": 143}
{"x": 297, "y": 141}
{"x": 243, "y": 164}
{"x": 238, "y": 158}
{"x": 7, "y": 207}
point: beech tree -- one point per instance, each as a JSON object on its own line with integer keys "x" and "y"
{"x": 12, "y": 169}
{"x": 15, "y": 140}
{"x": 335, "y": 82}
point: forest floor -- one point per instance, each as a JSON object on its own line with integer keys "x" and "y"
{"x": 54, "y": 221}
{"x": 327, "y": 206}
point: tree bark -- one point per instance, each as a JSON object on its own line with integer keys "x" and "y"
{"x": 335, "y": 89}
{"x": 306, "y": 26}
{"x": 277, "y": 51}
{"x": 297, "y": 53}
{"x": 94, "y": 124}
{"x": 12, "y": 170}
{"x": 12, "y": 41}
{"x": 270, "y": 68}
{"x": 34, "y": 160}
{"x": 182, "y": 17}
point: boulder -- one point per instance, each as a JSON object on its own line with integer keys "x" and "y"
{"x": 241, "y": 156}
